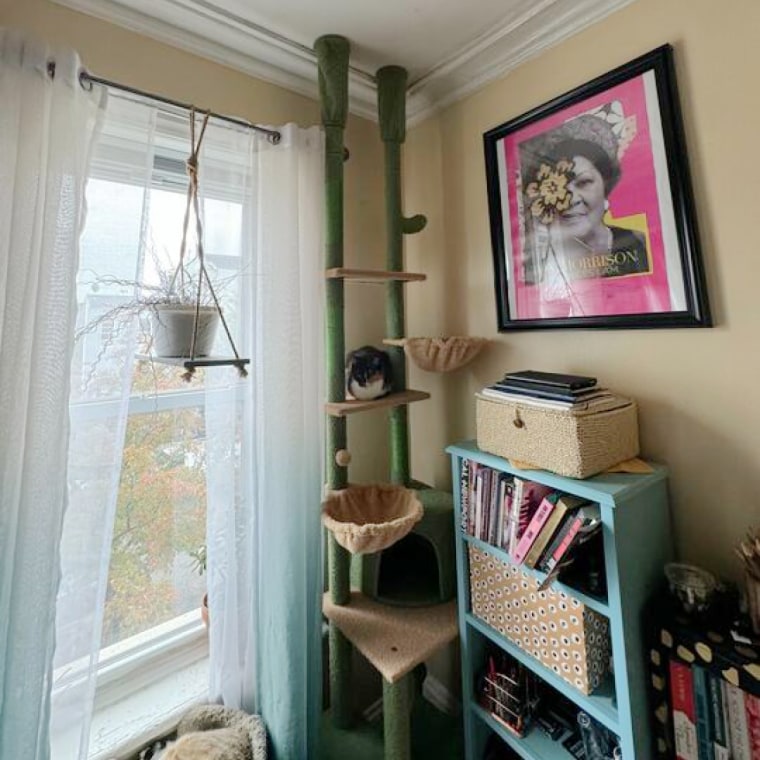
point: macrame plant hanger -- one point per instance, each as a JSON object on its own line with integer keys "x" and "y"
{"x": 190, "y": 363}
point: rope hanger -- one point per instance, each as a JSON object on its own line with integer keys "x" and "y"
{"x": 192, "y": 167}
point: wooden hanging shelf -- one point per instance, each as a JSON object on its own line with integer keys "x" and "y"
{"x": 342, "y": 408}
{"x": 371, "y": 275}
{"x": 188, "y": 363}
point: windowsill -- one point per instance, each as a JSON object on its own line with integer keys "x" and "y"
{"x": 145, "y": 686}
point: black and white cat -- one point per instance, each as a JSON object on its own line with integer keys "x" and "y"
{"x": 368, "y": 373}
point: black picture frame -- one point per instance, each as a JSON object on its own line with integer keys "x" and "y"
{"x": 557, "y": 262}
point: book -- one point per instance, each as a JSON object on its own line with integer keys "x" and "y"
{"x": 464, "y": 495}
{"x": 506, "y": 510}
{"x": 718, "y": 736}
{"x": 586, "y": 519}
{"x": 684, "y": 713}
{"x": 552, "y": 394}
{"x": 545, "y": 508}
{"x": 518, "y": 486}
{"x": 752, "y": 708}
{"x": 564, "y": 506}
{"x": 738, "y": 729}
{"x": 510, "y": 382}
{"x": 552, "y": 378}
{"x": 564, "y": 528}
{"x": 702, "y": 711}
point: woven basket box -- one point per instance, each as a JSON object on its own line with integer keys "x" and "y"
{"x": 556, "y": 629}
{"x": 573, "y": 443}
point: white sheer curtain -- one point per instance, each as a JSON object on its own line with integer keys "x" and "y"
{"x": 101, "y": 375}
{"x": 263, "y": 519}
{"x": 47, "y": 128}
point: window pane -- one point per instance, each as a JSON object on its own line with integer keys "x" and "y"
{"x": 160, "y": 519}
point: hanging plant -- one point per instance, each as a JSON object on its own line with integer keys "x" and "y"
{"x": 181, "y": 314}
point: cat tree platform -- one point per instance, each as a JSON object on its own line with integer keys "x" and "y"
{"x": 394, "y": 639}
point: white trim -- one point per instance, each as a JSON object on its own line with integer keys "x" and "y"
{"x": 145, "y": 684}
{"x": 498, "y": 52}
{"x": 202, "y": 28}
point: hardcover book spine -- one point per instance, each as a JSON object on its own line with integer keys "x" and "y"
{"x": 702, "y": 703}
{"x": 565, "y": 544}
{"x": 518, "y": 488}
{"x": 752, "y": 707}
{"x": 506, "y": 513}
{"x": 738, "y": 730}
{"x": 464, "y": 496}
{"x": 718, "y": 735}
{"x": 545, "y": 508}
{"x": 684, "y": 714}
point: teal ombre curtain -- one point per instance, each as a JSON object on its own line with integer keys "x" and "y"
{"x": 264, "y": 545}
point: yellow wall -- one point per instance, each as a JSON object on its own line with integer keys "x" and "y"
{"x": 697, "y": 388}
{"x": 117, "y": 54}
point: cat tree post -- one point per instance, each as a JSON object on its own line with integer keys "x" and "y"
{"x": 391, "y": 104}
{"x": 332, "y": 56}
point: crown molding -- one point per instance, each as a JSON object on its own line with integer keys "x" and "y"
{"x": 499, "y": 51}
{"x": 200, "y": 27}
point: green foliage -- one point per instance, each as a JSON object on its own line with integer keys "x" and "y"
{"x": 160, "y": 517}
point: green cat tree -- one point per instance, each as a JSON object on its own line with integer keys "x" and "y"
{"x": 395, "y": 639}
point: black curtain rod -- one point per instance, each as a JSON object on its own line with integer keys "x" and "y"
{"x": 87, "y": 81}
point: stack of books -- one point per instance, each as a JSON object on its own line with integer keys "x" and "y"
{"x": 538, "y": 527}
{"x": 549, "y": 389}
{"x": 712, "y": 718}
{"x": 560, "y": 524}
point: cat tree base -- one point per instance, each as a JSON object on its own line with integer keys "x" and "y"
{"x": 395, "y": 640}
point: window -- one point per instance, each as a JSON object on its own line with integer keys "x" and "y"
{"x": 136, "y": 200}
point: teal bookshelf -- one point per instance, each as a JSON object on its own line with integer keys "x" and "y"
{"x": 637, "y": 544}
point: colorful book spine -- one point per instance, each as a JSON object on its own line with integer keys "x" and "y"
{"x": 464, "y": 496}
{"x": 545, "y": 508}
{"x": 583, "y": 521}
{"x": 506, "y": 511}
{"x": 738, "y": 728}
{"x": 518, "y": 488}
{"x": 752, "y": 707}
{"x": 702, "y": 705}
{"x": 565, "y": 526}
{"x": 565, "y": 504}
{"x": 684, "y": 713}
{"x": 718, "y": 734}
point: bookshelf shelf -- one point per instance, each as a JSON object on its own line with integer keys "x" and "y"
{"x": 636, "y": 544}
{"x": 598, "y": 705}
{"x": 592, "y": 602}
{"x": 535, "y": 745}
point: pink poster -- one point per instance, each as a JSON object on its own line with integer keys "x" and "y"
{"x": 583, "y": 216}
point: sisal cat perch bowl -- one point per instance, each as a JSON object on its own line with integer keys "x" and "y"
{"x": 440, "y": 354}
{"x": 370, "y": 518}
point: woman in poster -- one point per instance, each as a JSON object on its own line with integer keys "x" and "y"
{"x": 577, "y": 259}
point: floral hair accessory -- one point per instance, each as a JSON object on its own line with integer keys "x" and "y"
{"x": 549, "y": 192}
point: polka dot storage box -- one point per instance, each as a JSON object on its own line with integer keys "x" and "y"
{"x": 556, "y": 629}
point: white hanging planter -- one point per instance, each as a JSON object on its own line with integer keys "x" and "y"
{"x": 173, "y": 330}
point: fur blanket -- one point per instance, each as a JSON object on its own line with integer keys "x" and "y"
{"x": 213, "y": 732}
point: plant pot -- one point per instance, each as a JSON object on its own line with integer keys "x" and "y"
{"x": 204, "y": 610}
{"x": 173, "y": 326}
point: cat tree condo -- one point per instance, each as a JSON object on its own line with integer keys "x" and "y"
{"x": 394, "y": 541}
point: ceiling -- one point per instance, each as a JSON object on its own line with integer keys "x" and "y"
{"x": 450, "y": 47}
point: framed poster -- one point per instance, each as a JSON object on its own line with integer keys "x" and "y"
{"x": 591, "y": 209}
